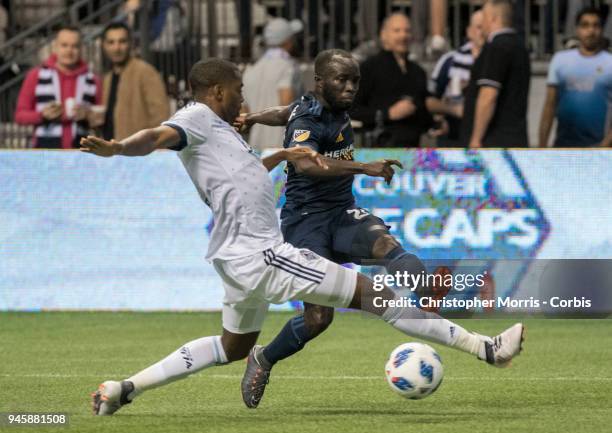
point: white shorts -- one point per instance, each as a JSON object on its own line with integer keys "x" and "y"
{"x": 275, "y": 276}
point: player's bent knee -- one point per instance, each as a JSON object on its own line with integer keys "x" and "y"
{"x": 384, "y": 245}
{"x": 237, "y": 346}
{"x": 364, "y": 297}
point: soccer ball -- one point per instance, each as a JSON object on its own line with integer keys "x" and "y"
{"x": 414, "y": 370}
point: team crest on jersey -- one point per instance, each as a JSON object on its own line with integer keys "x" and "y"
{"x": 340, "y": 138}
{"x": 301, "y": 135}
{"x": 308, "y": 255}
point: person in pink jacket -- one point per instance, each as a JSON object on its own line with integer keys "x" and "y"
{"x": 57, "y": 96}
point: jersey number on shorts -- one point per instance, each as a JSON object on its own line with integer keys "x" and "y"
{"x": 358, "y": 214}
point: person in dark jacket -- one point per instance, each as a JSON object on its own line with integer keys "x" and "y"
{"x": 393, "y": 89}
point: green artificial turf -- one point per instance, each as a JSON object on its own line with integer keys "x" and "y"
{"x": 50, "y": 362}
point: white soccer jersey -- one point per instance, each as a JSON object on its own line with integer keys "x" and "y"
{"x": 231, "y": 179}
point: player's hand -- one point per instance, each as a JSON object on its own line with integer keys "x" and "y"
{"x": 382, "y": 168}
{"x": 52, "y": 111}
{"x": 402, "y": 109}
{"x": 100, "y": 147}
{"x": 297, "y": 153}
{"x": 243, "y": 123}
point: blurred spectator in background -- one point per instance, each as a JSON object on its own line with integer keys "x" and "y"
{"x": 3, "y": 24}
{"x": 169, "y": 46}
{"x": 579, "y": 91}
{"x": 57, "y": 96}
{"x": 134, "y": 93}
{"x": 437, "y": 30}
{"x": 449, "y": 78}
{"x": 393, "y": 90}
{"x": 429, "y": 19}
{"x": 495, "y": 112}
{"x": 275, "y": 79}
{"x": 575, "y": 6}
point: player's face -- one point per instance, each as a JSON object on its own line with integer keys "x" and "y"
{"x": 341, "y": 83}
{"x": 232, "y": 98}
{"x": 116, "y": 46}
{"x": 67, "y": 48}
{"x": 589, "y": 32}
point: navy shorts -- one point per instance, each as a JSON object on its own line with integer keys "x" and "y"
{"x": 336, "y": 234}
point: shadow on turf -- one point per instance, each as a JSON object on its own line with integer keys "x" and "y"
{"x": 411, "y": 415}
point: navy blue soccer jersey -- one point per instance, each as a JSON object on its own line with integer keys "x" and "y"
{"x": 330, "y": 134}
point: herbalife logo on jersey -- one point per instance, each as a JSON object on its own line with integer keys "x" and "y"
{"x": 457, "y": 204}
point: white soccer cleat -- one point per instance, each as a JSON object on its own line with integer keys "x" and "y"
{"x": 505, "y": 346}
{"x": 111, "y": 396}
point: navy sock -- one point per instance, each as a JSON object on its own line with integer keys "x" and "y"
{"x": 399, "y": 260}
{"x": 290, "y": 340}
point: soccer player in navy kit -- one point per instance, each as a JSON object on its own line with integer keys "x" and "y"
{"x": 320, "y": 212}
{"x": 247, "y": 249}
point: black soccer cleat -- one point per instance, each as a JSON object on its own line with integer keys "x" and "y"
{"x": 255, "y": 379}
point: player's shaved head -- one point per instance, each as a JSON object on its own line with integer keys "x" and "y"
{"x": 206, "y": 74}
{"x": 327, "y": 60}
{"x": 336, "y": 78}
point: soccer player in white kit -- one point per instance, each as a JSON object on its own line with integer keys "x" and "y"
{"x": 247, "y": 248}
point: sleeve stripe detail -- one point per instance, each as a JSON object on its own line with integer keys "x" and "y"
{"x": 490, "y": 83}
{"x": 181, "y": 144}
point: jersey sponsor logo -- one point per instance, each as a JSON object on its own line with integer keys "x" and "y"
{"x": 301, "y": 135}
{"x": 345, "y": 153}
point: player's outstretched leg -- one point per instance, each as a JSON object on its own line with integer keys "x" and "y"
{"x": 291, "y": 339}
{"x": 188, "y": 359}
{"x": 497, "y": 351}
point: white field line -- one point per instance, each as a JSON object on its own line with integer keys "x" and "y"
{"x": 305, "y": 377}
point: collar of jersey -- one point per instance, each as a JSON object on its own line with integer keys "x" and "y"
{"x": 214, "y": 115}
{"x": 314, "y": 106}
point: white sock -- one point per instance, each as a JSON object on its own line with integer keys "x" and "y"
{"x": 188, "y": 359}
{"x": 432, "y": 327}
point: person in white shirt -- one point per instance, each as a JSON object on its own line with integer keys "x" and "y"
{"x": 275, "y": 79}
{"x": 247, "y": 250}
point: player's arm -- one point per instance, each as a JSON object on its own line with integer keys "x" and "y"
{"x": 548, "y": 115}
{"x": 139, "y": 144}
{"x": 294, "y": 155}
{"x": 273, "y": 116}
{"x": 307, "y": 132}
{"x": 337, "y": 167}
